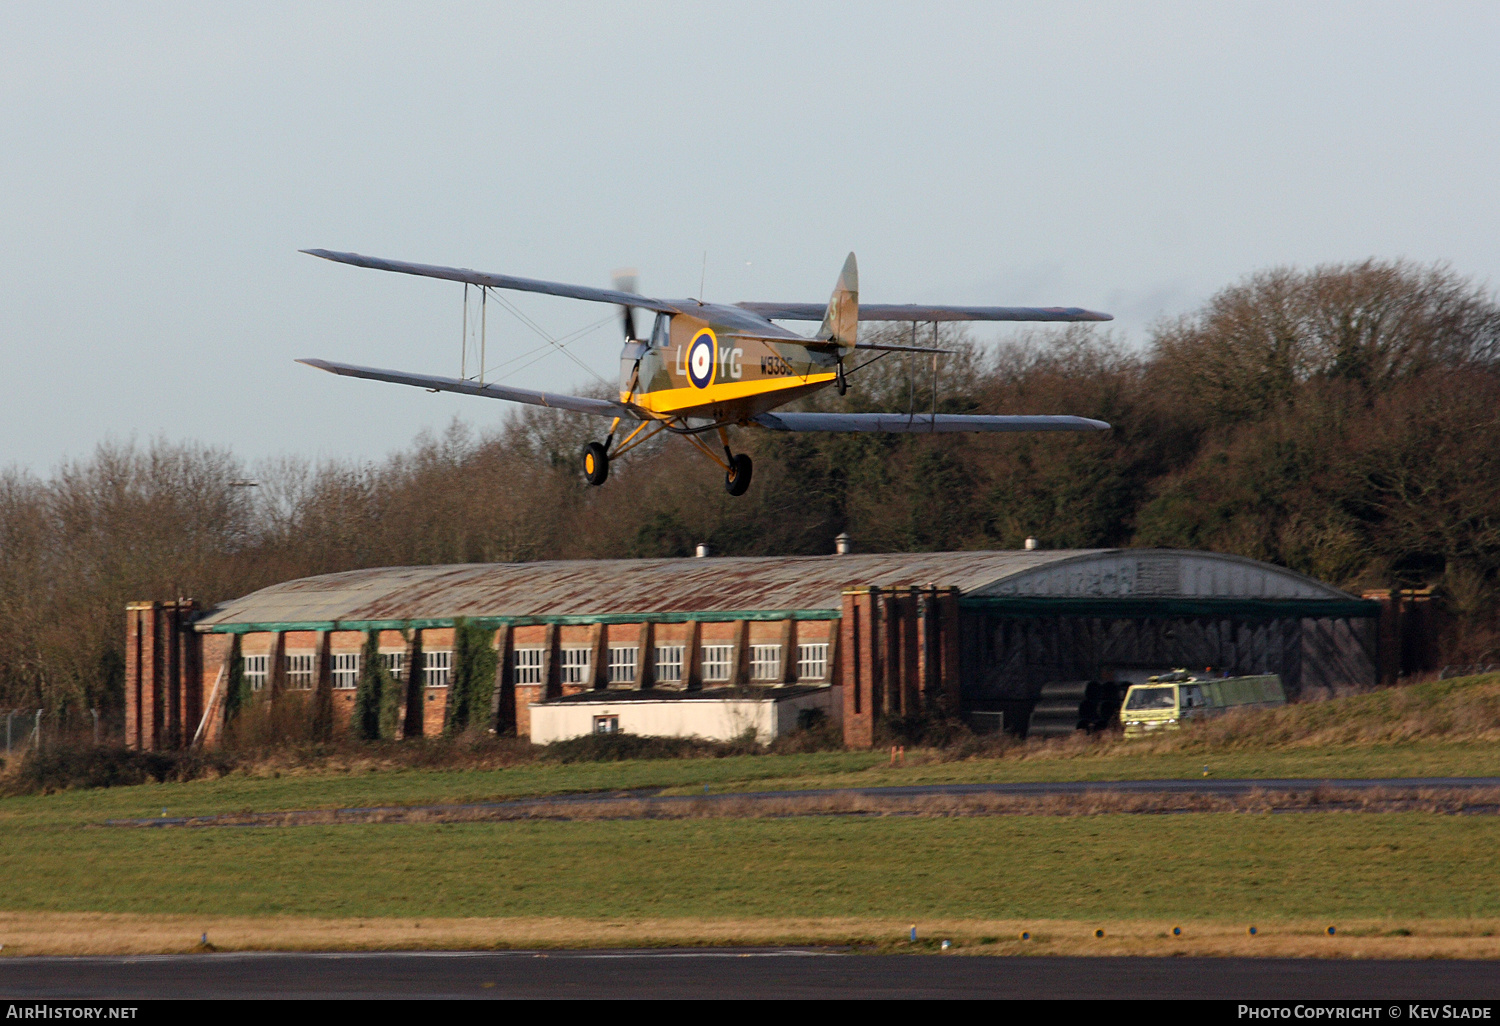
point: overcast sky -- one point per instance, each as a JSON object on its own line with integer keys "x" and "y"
{"x": 160, "y": 166}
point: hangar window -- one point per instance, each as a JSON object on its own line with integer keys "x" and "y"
{"x": 394, "y": 663}
{"x": 255, "y": 671}
{"x": 812, "y": 661}
{"x": 668, "y": 662}
{"x": 716, "y": 661}
{"x": 528, "y": 666}
{"x": 436, "y": 667}
{"x": 575, "y": 665}
{"x": 299, "y": 671}
{"x": 765, "y": 662}
{"x": 622, "y": 664}
{"x": 606, "y": 724}
{"x": 345, "y": 669}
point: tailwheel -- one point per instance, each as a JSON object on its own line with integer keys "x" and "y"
{"x": 737, "y": 479}
{"x": 595, "y": 463}
{"x": 840, "y": 382}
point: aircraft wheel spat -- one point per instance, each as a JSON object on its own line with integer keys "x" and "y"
{"x": 701, "y": 359}
{"x": 595, "y": 463}
{"x": 737, "y": 480}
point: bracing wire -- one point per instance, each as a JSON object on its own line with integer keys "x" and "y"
{"x": 552, "y": 341}
{"x": 549, "y": 342}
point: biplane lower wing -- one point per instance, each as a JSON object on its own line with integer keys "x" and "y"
{"x": 922, "y": 423}
{"x": 575, "y": 403}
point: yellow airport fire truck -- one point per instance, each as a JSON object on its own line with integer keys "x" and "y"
{"x": 1166, "y": 701}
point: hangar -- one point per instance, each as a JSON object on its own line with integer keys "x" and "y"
{"x": 714, "y": 646}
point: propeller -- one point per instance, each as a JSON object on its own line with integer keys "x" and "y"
{"x": 627, "y": 279}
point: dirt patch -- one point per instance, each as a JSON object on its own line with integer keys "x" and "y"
{"x": 57, "y": 933}
{"x": 1450, "y": 801}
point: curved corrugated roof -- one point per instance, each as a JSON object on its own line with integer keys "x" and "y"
{"x": 774, "y": 583}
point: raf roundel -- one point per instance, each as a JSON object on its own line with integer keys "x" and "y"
{"x": 700, "y": 359}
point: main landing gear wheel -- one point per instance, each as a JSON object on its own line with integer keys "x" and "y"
{"x": 595, "y": 463}
{"x": 737, "y": 480}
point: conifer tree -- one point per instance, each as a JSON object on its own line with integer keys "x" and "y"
{"x": 365, "y": 723}
{"x": 471, "y": 689}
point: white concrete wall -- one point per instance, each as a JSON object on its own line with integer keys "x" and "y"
{"x": 714, "y": 719}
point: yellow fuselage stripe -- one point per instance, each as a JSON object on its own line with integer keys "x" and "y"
{"x": 685, "y": 400}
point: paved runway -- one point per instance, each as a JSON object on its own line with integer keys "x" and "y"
{"x": 742, "y": 973}
{"x": 1204, "y": 786}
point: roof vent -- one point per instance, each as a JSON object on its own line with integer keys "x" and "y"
{"x": 843, "y": 544}
{"x": 1030, "y": 544}
{"x": 703, "y": 551}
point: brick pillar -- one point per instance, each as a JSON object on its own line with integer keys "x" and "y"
{"x": 218, "y": 654}
{"x": 786, "y": 672}
{"x": 153, "y": 669}
{"x": 645, "y": 656}
{"x": 738, "y": 654}
{"x": 502, "y": 698}
{"x": 692, "y": 658}
{"x": 170, "y": 694}
{"x": 140, "y": 675}
{"x": 948, "y": 684}
{"x": 911, "y": 658}
{"x": 552, "y": 663}
{"x": 860, "y": 671}
{"x": 1388, "y": 637}
{"x": 190, "y": 668}
{"x": 275, "y": 670}
{"x": 598, "y": 657}
{"x": 322, "y": 712}
{"x": 831, "y": 673}
{"x": 926, "y": 642}
{"x": 888, "y": 609}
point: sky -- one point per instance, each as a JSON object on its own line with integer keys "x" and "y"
{"x": 162, "y": 164}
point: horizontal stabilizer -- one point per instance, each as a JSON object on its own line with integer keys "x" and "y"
{"x": 829, "y": 343}
{"x": 901, "y": 349}
{"x": 922, "y": 423}
{"x": 501, "y": 281}
{"x": 917, "y": 312}
{"x": 575, "y": 403}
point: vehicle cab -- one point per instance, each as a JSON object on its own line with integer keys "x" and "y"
{"x": 1161, "y": 703}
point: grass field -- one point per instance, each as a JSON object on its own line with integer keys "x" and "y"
{"x": 1419, "y": 884}
{"x": 247, "y": 792}
{"x": 1277, "y": 866}
{"x": 1386, "y": 872}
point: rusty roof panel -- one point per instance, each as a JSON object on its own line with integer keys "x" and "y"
{"x": 733, "y": 584}
{"x": 596, "y": 587}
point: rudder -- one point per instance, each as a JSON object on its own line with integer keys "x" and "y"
{"x": 841, "y": 322}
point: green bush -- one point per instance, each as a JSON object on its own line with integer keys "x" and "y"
{"x": 472, "y": 687}
{"x": 62, "y": 767}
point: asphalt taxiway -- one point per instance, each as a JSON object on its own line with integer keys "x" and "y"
{"x": 735, "y": 974}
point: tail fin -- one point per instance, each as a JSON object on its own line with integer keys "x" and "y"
{"x": 841, "y": 323}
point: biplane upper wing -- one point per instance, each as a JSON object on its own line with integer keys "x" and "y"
{"x": 922, "y": 423}
{"x": 918, "y": 312}
{"x": 576, "y": 403}
{"x": 500, "y": 281}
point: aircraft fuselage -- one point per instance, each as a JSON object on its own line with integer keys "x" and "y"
{"x": 725, "y": 364}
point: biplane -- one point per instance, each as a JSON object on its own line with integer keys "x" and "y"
{"x": 706, "y": 368}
